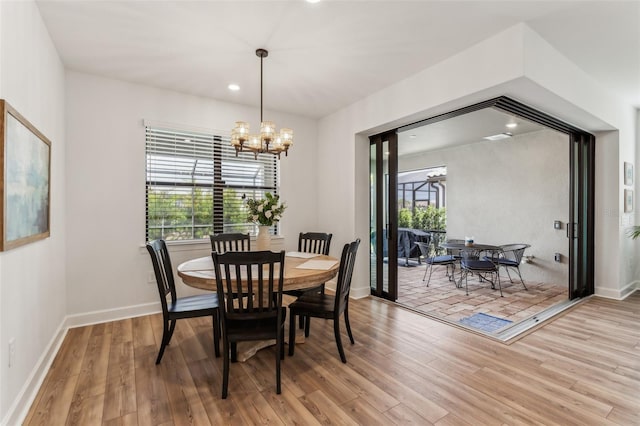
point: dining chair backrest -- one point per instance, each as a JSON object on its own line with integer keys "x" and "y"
{"x": 514, "y": 251}
{"x": 314, "y": 242}
{"x": 345, "y": 273}
{"x": 424, "y": 247}
{"x": 163, "y": 271}
{"x": 256, "y": 275}
{"x": 230, "y": 241}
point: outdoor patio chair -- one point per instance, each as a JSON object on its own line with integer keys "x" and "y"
{"x": 431, "y": 261}
{"x": 511, "y": 257}
{"x": 485, "y": 268}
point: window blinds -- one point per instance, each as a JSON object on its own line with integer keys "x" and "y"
{"x": 196, "y": 186}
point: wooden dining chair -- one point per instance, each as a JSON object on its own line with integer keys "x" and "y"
{"x": 326, "y": 306}
{"x": 258, "y": 276}
{"x": 230, "y": 241}
{"x": 311, "y": 242}
{"x": 314, "y": 242}
{"x": 176, "y": 308}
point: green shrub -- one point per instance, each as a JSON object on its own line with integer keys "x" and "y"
{"x": 404, "y": 218}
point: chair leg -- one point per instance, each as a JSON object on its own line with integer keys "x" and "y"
{"x": 430, "y": 272}
{"x": 292, "y": 333}
{"x": 346, "y": 322}
{"x": 508, "y": 274}
{"x": 307, "y": 326}
{"x": 466, "y": 281}
{"x": 301, "y": 320}
{"x": 425, "y": 273}
{"x": 167, "y": 332}
{"x": 278, "y": 360}
{"x": 521, "y": 280}
{"x": 499, "y": 285}
{"x": 225, "y": 369}
{"x": 336, "y": 332}
{"x": 216, "y": 335}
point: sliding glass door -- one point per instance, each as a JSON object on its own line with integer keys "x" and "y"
{"x": 383, "y": 213}
{"x": 384, "y": 196}
{"x": 579, "y": 230}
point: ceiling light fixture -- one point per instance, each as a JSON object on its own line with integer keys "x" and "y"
{"x": 233, "y": 87}
{"x": 499, "y": 136}
{"x": 512, "y": 125}
{"x": 268, "y": 141}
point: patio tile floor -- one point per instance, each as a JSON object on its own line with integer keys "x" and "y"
{"x": 443, "y": 300}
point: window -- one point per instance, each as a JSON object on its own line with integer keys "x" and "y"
{"x": 196, "y": 186}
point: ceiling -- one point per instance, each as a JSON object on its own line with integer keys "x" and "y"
{"x": 464, "y": 129}
{"x": 327, "y": 55}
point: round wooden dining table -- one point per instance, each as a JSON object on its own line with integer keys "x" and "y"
{"x": 199, "y": 272}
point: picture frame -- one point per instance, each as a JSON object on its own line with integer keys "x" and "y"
{"x": 628, "y": 200}
{"x": 25, "y": 189}
{"x": 628, "y": 173}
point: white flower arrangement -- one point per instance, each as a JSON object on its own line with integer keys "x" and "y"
{"x": 266, "y": 211}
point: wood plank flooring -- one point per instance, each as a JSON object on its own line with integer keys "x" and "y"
{"x": 581, "y": 369}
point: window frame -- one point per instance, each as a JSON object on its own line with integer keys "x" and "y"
{"x": 223, "y": 165}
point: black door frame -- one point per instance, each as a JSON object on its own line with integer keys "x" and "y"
{"x": 580, "y": 229}
{"x": 386, "y": 225}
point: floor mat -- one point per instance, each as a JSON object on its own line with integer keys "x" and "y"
{"x": 485, "y": 322}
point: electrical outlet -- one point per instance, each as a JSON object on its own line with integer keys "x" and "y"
{"x": 151, "y": 278}
{"x": 12, "y": 351}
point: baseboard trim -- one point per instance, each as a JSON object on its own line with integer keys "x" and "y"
{"x": 97, "y": 317}
{"x": 618, "y": 294}
{"x": 356, "y": 293}
{"x": 21, "y": 405}
{"x": 360, "y": 293}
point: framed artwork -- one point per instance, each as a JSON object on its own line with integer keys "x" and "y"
{"x": 628, "y": 200}
{"x": 628, "y": 173}
{"x": 25, "y": 189}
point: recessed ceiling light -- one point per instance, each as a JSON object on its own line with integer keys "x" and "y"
{"x": 313, "y": 1}
{"x": 512, "y": 125}
{"x": 413, "y": 136}
{"x": 499, "y": 136}
{"x": 234, "y": 87}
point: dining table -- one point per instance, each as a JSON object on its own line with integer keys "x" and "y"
{"x": 301, "y": 271}
{"x": 474, "y": 247}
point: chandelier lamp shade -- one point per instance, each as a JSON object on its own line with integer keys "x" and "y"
{"x": 268, "y": 140}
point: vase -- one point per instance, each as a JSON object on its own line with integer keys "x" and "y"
{"x": 263, "y": 240}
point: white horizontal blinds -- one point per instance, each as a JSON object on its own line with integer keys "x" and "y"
{"x": 195, "y": 184}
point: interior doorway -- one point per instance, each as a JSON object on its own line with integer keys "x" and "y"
{"x": 506, "y": 174}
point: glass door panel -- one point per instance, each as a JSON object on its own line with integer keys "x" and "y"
{"x": 384, "y": 211}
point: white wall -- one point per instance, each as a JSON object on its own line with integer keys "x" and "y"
{"x": 516, "y": 63}
{"x": 106, "y": 266}
{"x": 32, "y": 277}
{"x": 509, "y": 191}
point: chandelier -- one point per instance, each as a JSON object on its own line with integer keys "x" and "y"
{"x": 268, "y": 141}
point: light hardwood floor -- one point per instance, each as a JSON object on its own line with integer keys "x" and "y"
{"x": 581, "y": 369}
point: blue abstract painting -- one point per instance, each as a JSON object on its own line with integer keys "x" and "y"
{"x": 26, "y": 184}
